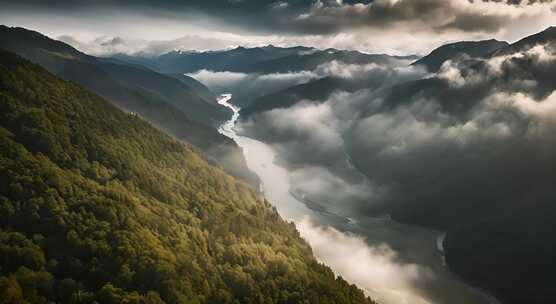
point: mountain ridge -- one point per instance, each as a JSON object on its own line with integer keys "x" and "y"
{"x": 100, "y": 207}
{"x": 474, "y": 49}
{"x": 171, "y": 103}
{"x": 269, "y": 59}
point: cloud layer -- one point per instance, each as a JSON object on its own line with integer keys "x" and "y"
{"x": 425, "y": 145}
{"x": 246, "y": 86}
{"x": 393, "y": 26}
{"x": 374, "y": 269}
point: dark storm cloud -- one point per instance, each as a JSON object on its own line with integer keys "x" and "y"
{"x": 415, "y": 15}
{"x": 427, "y": 146}
{"x": 313, "y": 17}
{"x": 436, "y": 145}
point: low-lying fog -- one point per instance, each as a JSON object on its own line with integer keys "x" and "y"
{"x": 393, "y": 263}
{"x": 409, "y": 144}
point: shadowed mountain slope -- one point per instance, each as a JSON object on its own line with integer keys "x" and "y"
{"x": 97, "y": 206}
{"x": 183, "y": 107}
{"x": 472, "y": 49}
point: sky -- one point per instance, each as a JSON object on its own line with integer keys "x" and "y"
{"x": 381, "y": 26}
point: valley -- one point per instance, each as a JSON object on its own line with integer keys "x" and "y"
{"x": 278, "y": 152}
{"x": 414, "y": 247}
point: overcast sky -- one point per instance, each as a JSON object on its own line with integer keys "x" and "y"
{"x": 379, "y": 26}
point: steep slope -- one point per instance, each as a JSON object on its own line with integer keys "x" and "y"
{"x": 512, "y": 251}
{"x": 200, "y": 88}
{"x": 472, "y": 49}
{"x": 118, "y": 83}
{"x": 182, "y": 107}
{"x": 493, "y": 192}
{"x": 546, "y": 36}
{"x": 314, "y": 90}
{"x": 97, "y": 206}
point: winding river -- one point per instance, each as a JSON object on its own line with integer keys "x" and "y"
{"x": 392, "y": 262}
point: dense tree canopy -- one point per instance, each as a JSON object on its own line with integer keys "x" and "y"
{"x": 98, "y": 206}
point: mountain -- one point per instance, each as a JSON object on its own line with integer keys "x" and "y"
{"x": 200, "y": 88}
{"x": 457, "y": 105}
{"x": 546, "y": 36}
{"x": 269, "y": 59}
{"x": 116, "y": 82}
{"x": 494, "y": 194}
{"x": 97, "y": 206}
{"x": 262, "y": 74}
{"x": 313, "y": 90}
{"x": 468, "y": 150}
{"x": 181, "y": 106}
{"x": 472, "y": 49}
{"x": 308, "y": 61}
{"x": 350, "y": 74}
{"x": 238, "y": 59}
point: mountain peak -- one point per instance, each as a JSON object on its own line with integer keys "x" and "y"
{"x": 545, "y": 36}
{"x": 18, "y": 37}
{"x": 474, "y": 49}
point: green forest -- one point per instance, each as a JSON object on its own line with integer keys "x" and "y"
{"x": 97, "y": 206}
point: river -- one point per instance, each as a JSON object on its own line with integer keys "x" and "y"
{"x": 392, "y": 262}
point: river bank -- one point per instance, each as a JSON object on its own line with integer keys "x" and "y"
{"x": 394, "y": 263}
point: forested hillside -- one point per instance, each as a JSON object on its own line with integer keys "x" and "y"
{"x": 98, "y": 206}
{"x": 180, "y": 106}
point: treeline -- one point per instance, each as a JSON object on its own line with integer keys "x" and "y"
{"x": 97, "y": 206}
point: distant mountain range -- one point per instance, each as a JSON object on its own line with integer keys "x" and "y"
{"x": 269, "y": 59}
{"x": 180, "y": 105}
{"x": 471, "y": 49}
{"x": 320, "y": 89}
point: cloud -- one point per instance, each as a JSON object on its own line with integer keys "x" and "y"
{"x": 541, "y": 112}
{"x": 373, "y": 75}
{"x": 435, "y": 143}
{"x": 305, "y": 129}
{"x": 418, "y": 15}
{"x": 425, "y": 142}
{"x": 245, "y": 86}
{"x": 349, "y": 71}
{"x": 336, "y": 192}
{"x": 107, "y": 45}
{"x": 422, "y": 125}
{"x": 374, "y": 269}
{"x": 399, "y": 27}
{"x": 309, "y": 137}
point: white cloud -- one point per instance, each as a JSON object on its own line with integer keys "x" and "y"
{"x": 374, "y": 269}
{"x": 250, "y": 85}
{"x": 541, "y": 113}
